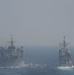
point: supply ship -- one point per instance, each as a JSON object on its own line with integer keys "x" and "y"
{"x": 65, "y": 58}
{"x": 11, "y": 55}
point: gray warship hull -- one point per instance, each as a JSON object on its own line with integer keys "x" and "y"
{"x": 11, "y": 56}
{"x": 65, "y": 58}
{"x": 12, "y": 62}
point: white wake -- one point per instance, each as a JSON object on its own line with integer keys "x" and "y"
{"x": 26, "y": 66}
{"x": 65, "y": 68}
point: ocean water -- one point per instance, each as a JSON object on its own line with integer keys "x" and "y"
{"x": 39, "y": 61}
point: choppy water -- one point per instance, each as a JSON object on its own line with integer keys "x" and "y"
{"x": 39, "y": 61}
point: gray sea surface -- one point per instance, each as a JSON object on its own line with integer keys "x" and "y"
{"x": 39, "y": 60}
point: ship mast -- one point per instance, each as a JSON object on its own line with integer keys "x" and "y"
{"x": 12, "y": 42}
{"x": 64, "y": 44}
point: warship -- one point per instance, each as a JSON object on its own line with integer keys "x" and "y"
{"x": 65, "y": 58}
{"x": 11, "y": 55}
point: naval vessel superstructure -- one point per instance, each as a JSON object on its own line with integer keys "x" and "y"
{"x": 11, "y": 56}
{"x": 65, "y": 58}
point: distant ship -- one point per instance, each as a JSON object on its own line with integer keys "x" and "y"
{"x": 65, "y": 58}
{"x": 11, "y": 56}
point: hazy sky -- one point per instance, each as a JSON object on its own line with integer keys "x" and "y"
{"x": 37, "y": 22}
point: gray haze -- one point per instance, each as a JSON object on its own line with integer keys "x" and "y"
{"x": 37, "y": 22}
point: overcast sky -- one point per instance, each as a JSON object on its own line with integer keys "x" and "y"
{"x": 37, "y": 22}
